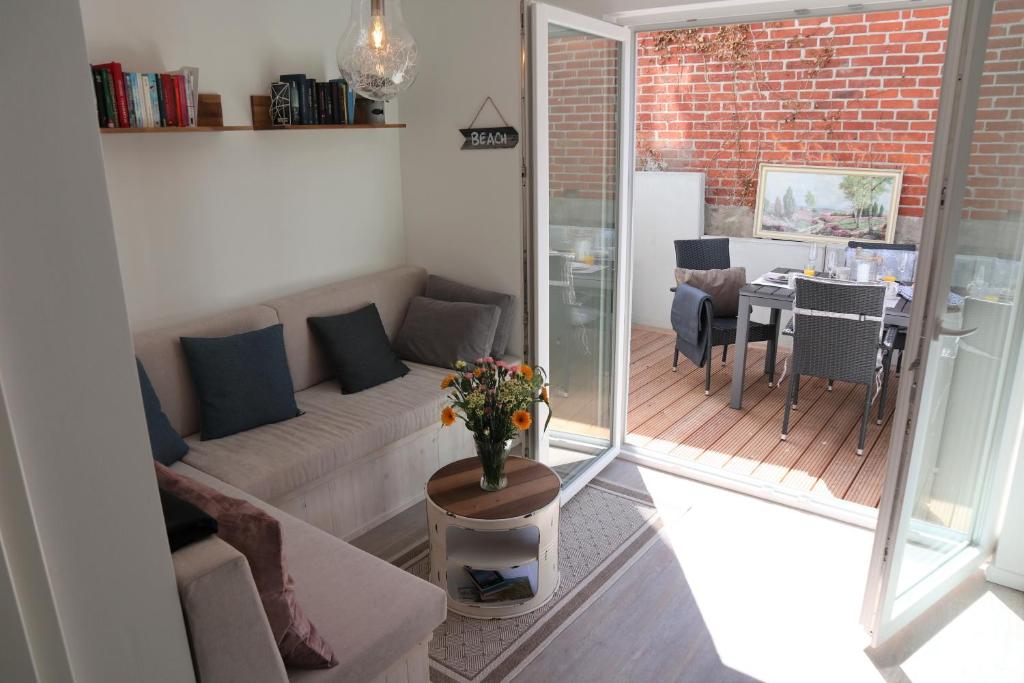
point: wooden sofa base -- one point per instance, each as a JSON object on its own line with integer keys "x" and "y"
{"x": 413, "y": 667}
{"x": 371, "y": 490}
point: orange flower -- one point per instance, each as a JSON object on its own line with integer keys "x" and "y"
{"x": 448, "y": 416}
{"x": 522, "y": 420}
{"x": 478, "y": 372}
{"x": 447, "y": 381}
{"x": 544, "y": 394}
{"x": 526, "y": 371}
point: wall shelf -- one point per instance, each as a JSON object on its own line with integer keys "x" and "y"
{"x": 191, "y": 129}
{"x": 335, "y": 126}
{"x": 220, "y": 129}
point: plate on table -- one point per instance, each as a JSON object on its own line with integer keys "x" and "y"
{"x": 779, "y": 278}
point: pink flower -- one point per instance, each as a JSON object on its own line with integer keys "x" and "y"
{"x": 468, "y": 375}
{"x": 488, "y": 359}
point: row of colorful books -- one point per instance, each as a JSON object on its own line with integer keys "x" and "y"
{"x": 145, "y": 100}
{"x": 319, "y": 103}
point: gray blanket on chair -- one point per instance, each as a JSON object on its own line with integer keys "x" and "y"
{"x": 691, "y": 319}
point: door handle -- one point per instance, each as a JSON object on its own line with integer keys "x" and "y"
{"x": 946, "y": 332}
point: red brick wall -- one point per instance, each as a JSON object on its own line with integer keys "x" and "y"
{"x": 583, "y": 79}
{"x": 857, "y": 90}
{"x": 995, "y": 186}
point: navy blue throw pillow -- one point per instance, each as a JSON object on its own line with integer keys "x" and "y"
{"x": 357, "y": 347}
{"x": 242, "y": 381}
{"x": 168, "y": 448}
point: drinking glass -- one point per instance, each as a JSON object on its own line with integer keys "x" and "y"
{"x": 813, "y": 259}
{"x": 835, "y": 258}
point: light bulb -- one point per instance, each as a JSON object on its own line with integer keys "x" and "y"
{"x": 377, "y": 55}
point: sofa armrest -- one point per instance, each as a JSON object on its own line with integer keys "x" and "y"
{"x": 228, "y": 629}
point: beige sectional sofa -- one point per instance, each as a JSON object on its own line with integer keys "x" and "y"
{"x": 347, "y": 464}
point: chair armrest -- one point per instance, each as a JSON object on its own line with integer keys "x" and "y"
{"x": 228, "y": 629}
{"x": 790, "y": 328}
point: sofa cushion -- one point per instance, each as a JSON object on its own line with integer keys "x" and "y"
{"x": 337, "y": 429}
{"x": 242, "y": 381}
{"x": 358, "y": 348}
{"x": 371, "y": 610}
{"x": 441, "y": 332}
{"x": 450, "y": 290}
{"x": 167, "y": 445}
{"x": 391, "y": 290}
{"x": 161, "y": 353}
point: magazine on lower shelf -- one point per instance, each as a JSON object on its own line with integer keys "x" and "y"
{"x": 491, "y": 586}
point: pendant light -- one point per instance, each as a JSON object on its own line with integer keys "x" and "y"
{"x": 377, "y": 55}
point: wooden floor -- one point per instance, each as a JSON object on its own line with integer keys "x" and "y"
{"x": 669, "y": 414}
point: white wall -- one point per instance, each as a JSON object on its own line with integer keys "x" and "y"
{"x": 80, "y": 522}
{"x": 666, "y": 207}
{"x": 208, "y": 222}
{"x": 463, "y": 210}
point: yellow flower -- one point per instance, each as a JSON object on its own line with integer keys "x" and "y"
{"x": 544, "y": 394}
{"x": 522, "y": 420}
{"x": 447, "y": 381}
{"x": 526, "y": 371}
{"x": 460, "y": 365}
{"x": 448, "y": 416}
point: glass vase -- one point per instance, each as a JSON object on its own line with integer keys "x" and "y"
{"x": 493, "y": 455}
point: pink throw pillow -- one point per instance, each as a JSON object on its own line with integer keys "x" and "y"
{"x": 257, "y": 536}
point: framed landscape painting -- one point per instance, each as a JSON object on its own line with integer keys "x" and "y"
{"x": 820, "y": 204}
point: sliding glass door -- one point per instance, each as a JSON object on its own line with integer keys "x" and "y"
{"x": 943, "y": 493}
{"x": 581, "y": 96}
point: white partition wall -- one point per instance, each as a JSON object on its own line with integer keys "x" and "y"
{"x": 80, "y": 524}
{"x": 667, "y": 206}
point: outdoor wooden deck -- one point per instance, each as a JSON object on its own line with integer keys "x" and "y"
{"x": 669, "y": 413}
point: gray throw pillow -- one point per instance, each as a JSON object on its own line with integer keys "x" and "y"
{"x": 723, "y": 286}
{"x": 442, "y": 332}
{"x": 448, "y": 290}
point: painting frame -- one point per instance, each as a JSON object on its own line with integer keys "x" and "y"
{"x": 890, "y": 213}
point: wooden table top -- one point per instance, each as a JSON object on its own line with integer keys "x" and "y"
{"x": 455, "y": 488}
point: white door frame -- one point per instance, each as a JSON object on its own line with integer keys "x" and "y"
{"x": 968, "y": 42}
{"x": 540, "y": 16}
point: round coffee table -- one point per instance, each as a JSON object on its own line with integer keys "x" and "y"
{"x": 513, "y": 532}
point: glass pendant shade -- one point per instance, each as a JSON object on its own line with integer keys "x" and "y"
{"x": 376, "y": 54}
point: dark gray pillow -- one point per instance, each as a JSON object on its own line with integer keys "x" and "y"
{"x": 358, "y": 348}
{"x": 448, "y": 290}
{"x": 442, "y": 332}
{"x": 242, "y": 381}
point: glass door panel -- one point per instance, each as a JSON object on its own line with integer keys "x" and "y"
{"x": 579, "y": 72}
{"x": 941, "y": 503}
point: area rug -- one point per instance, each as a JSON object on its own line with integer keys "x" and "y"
{"x": 603, "y": 530}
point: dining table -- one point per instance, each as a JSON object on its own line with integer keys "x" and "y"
{"x": 778, "y": 299}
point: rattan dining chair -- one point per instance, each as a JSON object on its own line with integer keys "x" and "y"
{"x": 837, "y": 335}
{"x": 713, "y": 254}
{"x": 900, "y": 341}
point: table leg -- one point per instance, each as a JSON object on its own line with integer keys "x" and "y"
{"x": 773, "y": 348}
{"x": 739, "y": 361}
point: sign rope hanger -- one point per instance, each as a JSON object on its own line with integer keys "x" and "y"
{"x": 504, "y": 137}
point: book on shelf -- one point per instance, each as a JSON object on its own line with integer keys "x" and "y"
{"x": 297, "y": 83}
{"x": 143, "y": 99}
{"x": 312, "y": 115}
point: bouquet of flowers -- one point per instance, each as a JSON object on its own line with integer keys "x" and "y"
{"x": 494, "y": 399}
